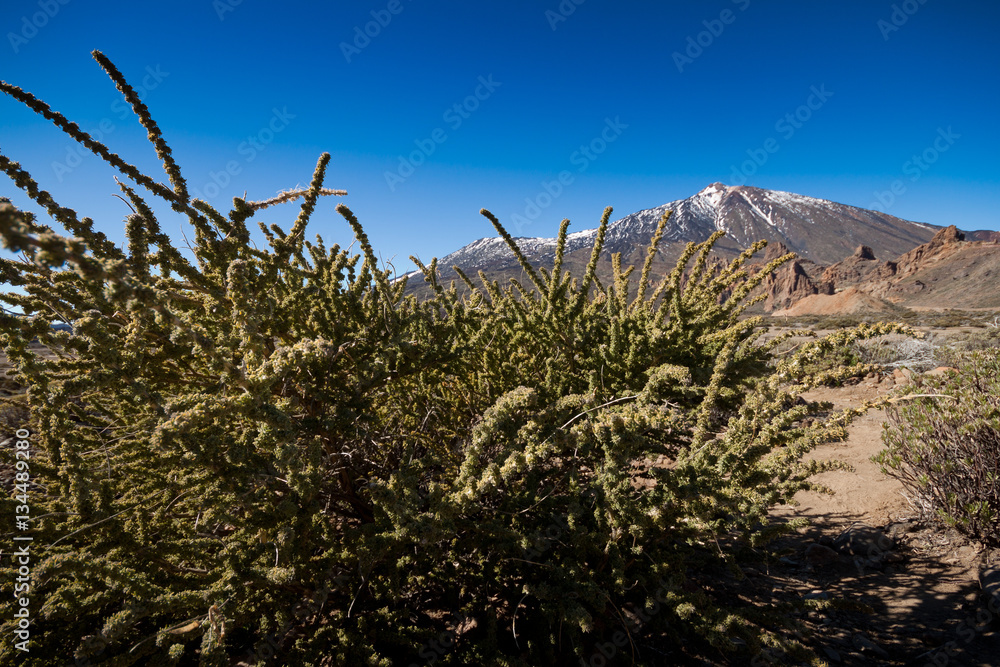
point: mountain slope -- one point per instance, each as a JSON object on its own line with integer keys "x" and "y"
{"x": 947, "y": 272}
{"x": 816, "y": 229}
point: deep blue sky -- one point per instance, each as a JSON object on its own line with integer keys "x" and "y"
{"x": 220, "y": 73}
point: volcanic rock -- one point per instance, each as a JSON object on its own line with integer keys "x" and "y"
{"x": 790, "y": 284}
{"x": 946, "y": 272}
{"x": 854, "y": 269}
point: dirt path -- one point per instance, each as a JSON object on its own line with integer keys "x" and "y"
{"x": 866, "y": 544}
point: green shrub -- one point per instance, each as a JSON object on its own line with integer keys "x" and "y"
{"x": 273, "y": 452}
{"x": 957, "y": 348}
{"x": 945, "y": 448}
{"x": 838, "y": 357}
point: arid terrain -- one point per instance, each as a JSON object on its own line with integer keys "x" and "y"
{"x": 921, "y": 580}
{"x": 849, "y": 261}
{"x": 949, "y": 271}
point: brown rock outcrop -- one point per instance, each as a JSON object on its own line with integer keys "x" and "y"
{"x": 852, "y": 270}
{"x": 912, "y": 262}
{"x": 947, "y": 271}
{"x": 775, "y": 250}
{"x": 949, "y": 234}
{"x": 864, "y": 252}
{"x": 791, "y": 283}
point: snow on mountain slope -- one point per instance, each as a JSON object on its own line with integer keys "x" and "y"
{"x": 816, "y": 229}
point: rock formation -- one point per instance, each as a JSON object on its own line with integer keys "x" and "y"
{"x": 852, "y": 270}
{"x": 791, "y": 283}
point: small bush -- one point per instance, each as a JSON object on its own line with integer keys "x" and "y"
{"x": 832, "y": 321}
{"x": 957, "y": 348}
{"x": 273, "y": 455}
{"x": 945, "y": 449}
{"x": 841, "y": 356}
{"x": 896, "y": 351}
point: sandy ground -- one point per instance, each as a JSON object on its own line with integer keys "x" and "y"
{"x": 864, "y": 494}
{"x": 921, "y": 581}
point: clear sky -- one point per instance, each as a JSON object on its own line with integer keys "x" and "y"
{"x": 535, "y": 110}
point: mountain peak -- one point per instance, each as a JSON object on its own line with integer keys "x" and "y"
{"x": 949, "y": 234}
{"x": 713, "y": 194}
{"x": 817, "y": 230}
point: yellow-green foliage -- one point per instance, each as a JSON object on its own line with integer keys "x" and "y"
{"x": 943, "y": 443}
{"x": 274, "y": 452}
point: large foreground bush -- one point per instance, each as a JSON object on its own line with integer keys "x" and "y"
{"x": 943, "y": 443}
{"x": 273, "y": 456}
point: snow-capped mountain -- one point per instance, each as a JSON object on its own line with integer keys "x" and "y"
{"x": 816, "y": 229}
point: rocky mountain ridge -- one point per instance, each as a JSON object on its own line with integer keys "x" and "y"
{"x": 816, "y": 229}
{"x": 838, "y": 247}
{"x": 946, "y": 272}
